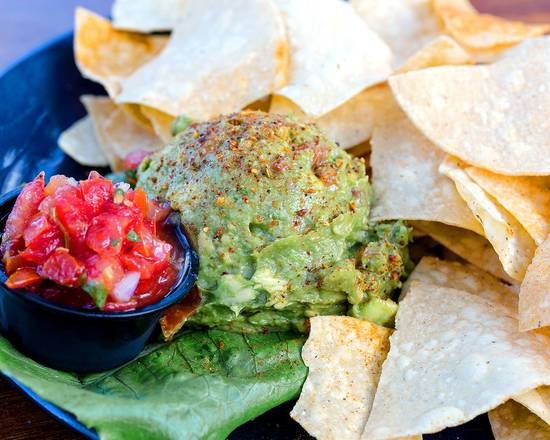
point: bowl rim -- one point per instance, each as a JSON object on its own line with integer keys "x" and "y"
{"x": 186, "y": 279}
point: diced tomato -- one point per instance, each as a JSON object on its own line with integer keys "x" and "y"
{"x": 24, "y": 209}
{"x": 38, "y": 225}
{"x": 141, "y": 202}
{"x": 104, "y": 269}
{"x": 151, "y": 246}
{"x": 72, "y": 212}
{"x": 23, "y": 278}
{"x": 55, "y": 183}
{"x": 11, "y": 264}
{"x": 96, "y": 192}
{"x": 43, "y": 245}
{"x": 62, "y": 268}
{"x": 106, "y": 233}
{"x": 133, "y": 159}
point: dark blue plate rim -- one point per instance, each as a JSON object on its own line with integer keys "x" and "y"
{"x": 63, "y": 416}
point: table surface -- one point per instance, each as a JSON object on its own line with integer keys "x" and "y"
{"x": 22, "y": 27}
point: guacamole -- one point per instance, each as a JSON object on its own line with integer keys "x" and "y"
{"x": 279, "y": 216}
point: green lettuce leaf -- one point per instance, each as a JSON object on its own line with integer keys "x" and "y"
{"x": 202, "y": 385}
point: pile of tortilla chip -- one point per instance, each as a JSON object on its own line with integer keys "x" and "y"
{"x": 451, "y": 110}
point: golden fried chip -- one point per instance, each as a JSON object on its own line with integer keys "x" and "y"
{"x": 251, "y": 60}
{"x": 452, "y": 357}
{"x": 405, "y": 175}
{"x": 466, "y": 244}
{"x": 334, "y": 55}
{"x": 512, "y": 421}
{"x": 161, "y": 122}
{"x": 344, "y": 356}
{"x": 526, "y": 198}
{"x": 118, "y": 133}
{"x": 538, "y": 402}
{"x": 534, "y": 300}
{"x": 496, "y": 117}
{"x": 405, "y": 25}
{"x": 147, "y": 15}
{"x": 482, "y": 31}
{"x": 512, "y": 243}
{"x": 80, "y": 143}
{"x": 173, "y": 319}
{"x": 108, "y": 56}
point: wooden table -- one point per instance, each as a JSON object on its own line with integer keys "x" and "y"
{"x": 22, "y": 26}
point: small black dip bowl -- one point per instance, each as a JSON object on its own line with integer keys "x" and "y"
{"x": 79, "y": 340}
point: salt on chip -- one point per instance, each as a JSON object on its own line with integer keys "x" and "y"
{"x": 405, "y": 176}
{"x": 538, "y": 402}
{"x": 348, "y": 124}
{"x": 118, "y": 133}
{"x": 527, "y": 198}
{"x": 534, "y": 300}
{"x": 441, "y": 51}
{"x": 468, "y": 245}
{"x": 405, "y": 25}
{"x": 496, "y": 117}
{"x": 80, "y": 143}
{"x": 512, "y": 243}
{"x": 466, "y": 277}
{"x": 251, "y": 60}
{"x": 344, "y": 356}
{"x": 482, "y": 31}
{"x": 334, "y": 54}
{"x": 452, "y": 358}
{"x": 512, "y": 421}
{"x": 108, "y": 56}
{"x": 147, "y": 15}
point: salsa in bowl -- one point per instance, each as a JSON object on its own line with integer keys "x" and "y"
{"x": 88, "y": 269}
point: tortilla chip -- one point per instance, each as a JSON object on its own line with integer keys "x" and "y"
{"x": 345, "y": 357}
{"x": 496, "y": 117}
{"x": 482, "y": 31}
{"x": 118, "y": 133}
{"x": 108, "y": 56}
{"x": 452, "y": 358}
{"x": 80, "y": 143}
{"x": 526, "y": 198}
{"x": 147, "y": 15}
{"x": 442, "y": 51}
{"x": 538, "y": 402}
{"x": 334, "y": 55}
{"x": 405, "y": 25}
{"x": 161, "y": 122}
{"x": 405, "y": 176}
{"x": 534, "y": 300}
{"x": 468, "y": 245}
{"x": 464, "y": 277}
{"x": 173, "y": 319}
{"x": 513, "y": 421}
{"x": 251, "y": 61}
{"x": 511, "y": 242}
{"x": 349, "y": 124}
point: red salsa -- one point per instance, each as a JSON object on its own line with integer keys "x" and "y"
{"x": 90, "y": 244}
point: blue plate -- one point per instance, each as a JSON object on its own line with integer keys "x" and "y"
{"x": 39, "y": 99}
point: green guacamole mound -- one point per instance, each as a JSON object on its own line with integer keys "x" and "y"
{"x": 279, "y": 216}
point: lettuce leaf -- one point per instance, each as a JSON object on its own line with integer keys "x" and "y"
{"x": 202, "y": 385}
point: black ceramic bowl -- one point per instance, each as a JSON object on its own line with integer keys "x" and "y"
{"x": 80, "y": 340}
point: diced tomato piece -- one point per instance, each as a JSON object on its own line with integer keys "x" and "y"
{"x": 106, "y": 233}
{"x": 22, "y": 278}
{"x": 104, "y": 269}
{"x": 43, "y": 245}
{"x": 72, "y": 212}
{"x": 11, "y": 264}
{"x": 153, "y": 247}
{"x": 62, "y": 268}
{"x": 158, "y": 212}
{"x": 46, "y": 205}
{"x": 131, "y": 213}
{"x": 153, "y": 286}
{"x": 24, "y": 209}
{"x": 57, "y": 182}
{"x": 133, "y": 159}
{"x": 141, "y": 202}
{"x": 148, "y": 256}
{"x": 96, "y": 192}
{"x": 38, "y": 225}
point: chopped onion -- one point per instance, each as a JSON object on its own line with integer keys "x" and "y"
{"x": 123, "y": 186}
{"x": 125, "y": 288}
